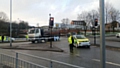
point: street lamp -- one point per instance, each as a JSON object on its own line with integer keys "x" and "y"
{"x": 10, "y": 23}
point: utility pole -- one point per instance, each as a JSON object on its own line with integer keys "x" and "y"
{"x": 102, "y": 36}
{"x": 10, "y": 23}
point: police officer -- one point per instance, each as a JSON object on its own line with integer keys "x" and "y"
{"x": 71, "y": 43}
{"x": 2, "y": 38}
{"x": 27, "y": 37}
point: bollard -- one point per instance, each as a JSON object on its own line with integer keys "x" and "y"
{"x": 24, "y": 63}
{"x": 16, "y": 60}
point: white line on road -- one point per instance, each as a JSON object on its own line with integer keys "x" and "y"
{"x": 107, "y": 62}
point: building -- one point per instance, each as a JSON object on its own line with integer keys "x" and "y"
{"x": 108, "y": 26}
{"x": 80, "y": 24}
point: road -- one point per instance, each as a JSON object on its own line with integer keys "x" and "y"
{"x": 110, "y": 41}
{"x": 88, "y": 58}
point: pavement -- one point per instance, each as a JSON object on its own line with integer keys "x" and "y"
{"x": 30, "y": 46}
{"x": 111, "y": 42}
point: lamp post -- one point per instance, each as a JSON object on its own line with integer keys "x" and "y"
{"x": 10, "y": 23}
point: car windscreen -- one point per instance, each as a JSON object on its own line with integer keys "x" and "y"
{"x": 32, "y": 31}
{"x": 80, "y": 37}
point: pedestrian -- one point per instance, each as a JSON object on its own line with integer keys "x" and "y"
{"x": 2, "y": 38}
{"x": 27, "y": 37}
{"x": 71, "y": 43}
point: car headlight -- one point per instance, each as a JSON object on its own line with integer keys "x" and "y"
{"x": 13, "y": 39}
{"x": 78, "y": 42}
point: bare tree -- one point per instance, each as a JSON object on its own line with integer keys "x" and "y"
{"x": 88, "y": 17}
{"x": 93, "y": 15}
{"x": 108, "y": 7}
{"x": 83, "y": 17}
{"x": 3, "y": 16}
{"x": 65, "y": 22}
{"x": 114, "y": 16}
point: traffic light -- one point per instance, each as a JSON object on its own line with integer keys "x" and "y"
{"x": 51, "y": 22}
{"x": 96, "y": 22}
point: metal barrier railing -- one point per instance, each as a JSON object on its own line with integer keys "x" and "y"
{"x": 14, "y": 62}
{"x": 17, "y": 62}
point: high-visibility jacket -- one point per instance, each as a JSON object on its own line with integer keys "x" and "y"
{"x": 75, "y": 40}
{"x": 0, "y": 38}
{"x": 70, "y": 40}
{"x": 27, "y": 36}
{"x": 5, "y": 38}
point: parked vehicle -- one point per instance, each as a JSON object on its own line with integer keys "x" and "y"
{"x": 8, "y": 39}
{"x": 42, "y": 35}
{"x": 118, "y": 35}
{"x": 81, "y": 40}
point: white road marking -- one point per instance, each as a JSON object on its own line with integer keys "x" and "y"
{"x": 107, "y": 62}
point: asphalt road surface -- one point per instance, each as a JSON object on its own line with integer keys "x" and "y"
{"x": 83, "y": 57}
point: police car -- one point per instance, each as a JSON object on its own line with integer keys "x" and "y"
{"x": 81, "y": 40}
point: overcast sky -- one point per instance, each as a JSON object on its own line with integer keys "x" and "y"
{"x": 37, "y": 11}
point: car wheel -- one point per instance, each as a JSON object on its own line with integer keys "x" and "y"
{"x": 117, "y": 36}
{"x": 33, "y": 41}
{"x": 88, "y": 46}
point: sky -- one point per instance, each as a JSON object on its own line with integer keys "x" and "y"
{"x": 37, "y": 11}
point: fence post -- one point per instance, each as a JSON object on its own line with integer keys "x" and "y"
{"x": 51, "y": 64}
{"x": 1, "y": 58}
{"x": 16, "y": 60}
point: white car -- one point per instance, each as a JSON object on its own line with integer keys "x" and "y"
{"x": 118, "y": 35}
{"x": 8, "y": 39}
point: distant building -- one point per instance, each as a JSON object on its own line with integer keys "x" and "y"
{"x": 45, "y": 27}
{"x": 74, "y": 24}
{"x": 78, "y": 24}
{"x": 57, "y": 25}
{"x": 108, "y": 26}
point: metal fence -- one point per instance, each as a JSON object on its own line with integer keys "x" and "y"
{"x": 31, "y": 61}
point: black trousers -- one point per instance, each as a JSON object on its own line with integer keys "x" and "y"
{"x": 2, "y": 40}
{"x": 71, "y": 48}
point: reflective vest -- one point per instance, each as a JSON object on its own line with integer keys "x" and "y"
{"x": 5, "y": 38}
{"x": 27, "y": 36}
{"x": 0, "y": 37}
{"x": 70, "y": 40}
{"x": 75, "y": 40}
